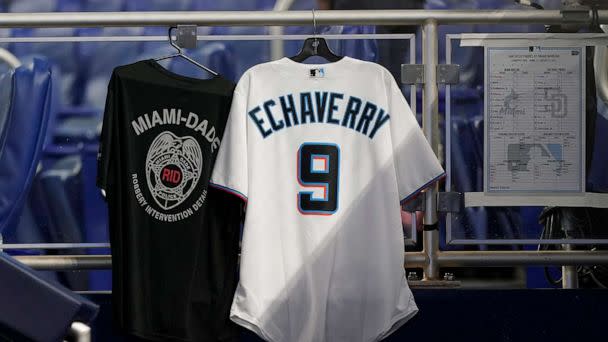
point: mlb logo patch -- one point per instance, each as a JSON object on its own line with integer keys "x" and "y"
{"x": 317, "y": 72}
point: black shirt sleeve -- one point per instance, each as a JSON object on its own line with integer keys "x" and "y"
{"x": 105, "y": 156}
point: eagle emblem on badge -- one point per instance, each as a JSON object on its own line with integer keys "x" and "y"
{"x": 173, "y": 168}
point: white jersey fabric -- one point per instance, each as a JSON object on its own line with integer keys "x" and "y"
{"x": 323, "y": 154}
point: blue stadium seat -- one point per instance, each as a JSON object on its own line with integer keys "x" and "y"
{"x": 247, "y": 53}
{"x": 6, "y": 87}
{"x": 364, "y": 49}
{"x": 482, "y": 219}
{"x": 23, "y": 135}
{"x": 4, "y": 33}
{"x": 476, "y": 126}
{"x": 214, "y": 55}
{"x": 26, "y": 6}
{"x": 465, "y": 57}
{"x": 473, "y": 224}
{"x": 506, "y": 5}
{"x": 292, "y": 47}
{"x": 102, "y": 5}
{"x": 97, "y": 60}
{"x": 62, "y": 57}
{"x": 66, "y": 188}
{"x": 78, "y": 129}
{"x": 472, "y": 72}
{"x": 467, "y": 176}
{"x": 493, "y": 4}
{"x": 550, "y": 4}
{"x": 463, "y": 170}
{"x": 58, "y": 187}
{"x": 466, "y": 102}
{"x": 231, "y": 5}
{"x": 26, "y": 229}
{"x": 57, "y": 197}
{"x": 158, "y": 5}
{"x": 69, "y": 5}
{"x": 34, "y": 309}
{"x": 95, "y": 215}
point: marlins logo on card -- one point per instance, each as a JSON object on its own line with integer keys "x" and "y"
{"x": 173, "y": 168}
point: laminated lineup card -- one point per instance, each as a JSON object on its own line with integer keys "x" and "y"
{"x": 534, "y": 114}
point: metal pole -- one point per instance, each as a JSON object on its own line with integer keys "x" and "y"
{"x": 415, "y": 260}
{"x": 430, "y": 126}
{"x": 412, "y": 259}
{"x": 431, "y": 258}
{"x": 66, "y": 262}
{"x": 430, "y": 248}
{"x": 227, "y": 37}
{"x": 80, "y": 332}
{"x": 284, "y": 18}
{"x": 569, "y": 277}
{"x": 277, "y": 49}
{"x": 569, "y": 272}
{"x": 516, "y": 258}
{"x": 9, "y": 58}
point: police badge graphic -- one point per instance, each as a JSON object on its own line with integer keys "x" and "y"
{"x": 173, "y": 168}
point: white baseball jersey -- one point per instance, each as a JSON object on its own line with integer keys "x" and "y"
{"x": 323, "y": 154}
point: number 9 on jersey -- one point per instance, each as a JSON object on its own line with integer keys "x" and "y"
{"x": 318, "y": 166}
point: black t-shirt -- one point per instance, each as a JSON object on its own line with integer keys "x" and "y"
{"x": 174, "y": 241}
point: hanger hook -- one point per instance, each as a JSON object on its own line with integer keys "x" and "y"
{"x": 179, "y": 50}
{"x": 314, "y": 23}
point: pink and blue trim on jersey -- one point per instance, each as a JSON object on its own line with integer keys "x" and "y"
{"x": 426, "y": 185}
{"x": 229, "y": 190}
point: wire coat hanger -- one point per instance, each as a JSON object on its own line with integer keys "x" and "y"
{"x": 181, "y": 54}
{"x": 315, "y": 46}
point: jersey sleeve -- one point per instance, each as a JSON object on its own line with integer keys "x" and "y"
{"x": 230, "y": 172}
{"x": 415, "y": 162}
{"x": 104, "y": 154}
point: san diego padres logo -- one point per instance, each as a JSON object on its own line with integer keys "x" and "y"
{"x": 173, "y": 167}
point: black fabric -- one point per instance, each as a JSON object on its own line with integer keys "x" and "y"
{"x": 590, "y": 106}
{"x": 173, "y": 261}
{"x": 216, "y": 270}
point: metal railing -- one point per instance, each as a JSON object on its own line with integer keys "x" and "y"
{"x": 412, "y": 259}
{"x": 79, "y": 332}
{"x": 431, "y": 258}
{"x": 288, "y": 18}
